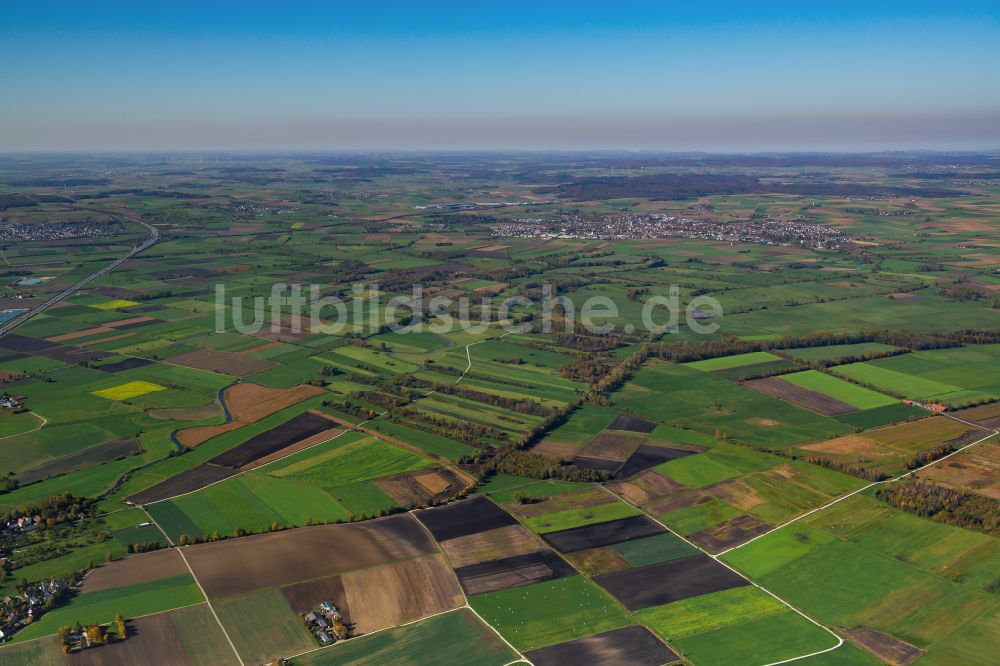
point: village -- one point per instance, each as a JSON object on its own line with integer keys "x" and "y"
{"x": 632, "y": 226}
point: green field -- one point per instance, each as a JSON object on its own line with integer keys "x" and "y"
{"x": 564, "y": 520}
{"x": 130, "y": 601}
{"x": 262, "y": 625}
{"x": 547, "y": 613}
{"x": 735, "y": 361}
{"x": 458, "y": 638}
{"x": 838, "y": 389}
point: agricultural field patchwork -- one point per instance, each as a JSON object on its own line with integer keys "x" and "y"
{"x": 519, "y": 489}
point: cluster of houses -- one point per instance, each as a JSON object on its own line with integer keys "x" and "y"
{"x": 22, "y": 609}
{"x": 326, "y": 623}
{"x": 22, "y": 523}
{"x": 14, "y": 403}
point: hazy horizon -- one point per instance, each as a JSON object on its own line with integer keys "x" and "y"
{"x": 579, "y": 77}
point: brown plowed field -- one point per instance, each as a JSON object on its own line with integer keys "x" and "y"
{"x": 552, "y": 449}
{"x": 226, "y": 363}
{"x": 491, "y": 545}
{"x": 647, "y": 486}
{"x": 391, "y": 595}
{"x": 887, "y": 648}
{"x": 135, "y": 569}
{"x": 152, "y": 640}
{"x": 318, "y": 438}
{"x": 234, "y": 566}
{"x": 249, "y": 403}
{"x": 731, "y": 533}
{"x": 616, "y": 446}
{"x": 303, "y": 597}
{"x": 811, "y": 400}
{"x": 635, "y": 646}
{"x": 425, "y": 487}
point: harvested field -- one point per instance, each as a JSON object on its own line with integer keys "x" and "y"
{"x": 586, "y": 497}
{"x": 887, "y": 648}
{"x": 185, "y": 482}
{"x": 645, "y": 487}
{"x": 135, "y": 569}
{"x": 248, "y": 403}
{"x": 987, "y": 415}
{"x": 391, "y": 595}
{"x": 662, "y": 583}
{"x": 611, "y": 446}
{"x": 632, "y": 423}
{"x": 490, "y": 545}
{"x": 736, "y": 492}
{"x": 636, "y": 646}
{"x": 802, "y": 397}
{"x": 463, "y": 518}
{"x": 424, "y": 487}
{"x": 563, "y": 450}
{"x": 230, "y": 567}
{"x": 602, "y": 534}
{"x": 303, "y": 597}
{"x": 129, "y": 363}
{"x": 647, "y": 456}
{"x": 303, "y": 426}
{"x": 225, "y": 363}
{"x": 731, "y": 533}
{"x": 597, "y": 561}
{"x": 976, "y": 470}
{"x": 848, "y": 445}
{"x": 677, "y": 501}
{"x": 513, "y": 572}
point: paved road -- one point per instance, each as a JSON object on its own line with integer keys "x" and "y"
{"x": 154, "y": 235}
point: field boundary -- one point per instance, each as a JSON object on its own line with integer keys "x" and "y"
{"x": 356, "y": 427}
{"x": 840, "y": 640}
{"x": 993, "y": 433}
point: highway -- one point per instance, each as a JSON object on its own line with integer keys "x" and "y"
{"x": 154, "y": 235}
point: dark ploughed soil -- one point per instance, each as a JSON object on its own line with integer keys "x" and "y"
{"x": 635, "y": 646}
{"x": 302, "y": 597}
{"x": 185, "y": 482}
{"x": 662, "y": 583}
{"x": 124, "y": 364}
{"x": 600, "y": 464}
{"x": 633, "y": 423}
{"x": 513, "y": 572}
{"x": 469, "y": 516}
{"x": 602, "y": 534}
{"x": 646, "y": 457}
{"x": 302, "y": 426}
{"x": 731, "y": 533}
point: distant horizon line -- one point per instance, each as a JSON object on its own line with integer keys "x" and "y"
{"x": 495, "y": 151}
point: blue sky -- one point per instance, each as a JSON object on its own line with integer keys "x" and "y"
{"x": 525, "y": 75}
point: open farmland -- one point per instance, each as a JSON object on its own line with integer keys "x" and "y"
{"x": 573, "y": 488}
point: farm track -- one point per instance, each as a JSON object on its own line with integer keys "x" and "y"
{"x": 840, "y": 641}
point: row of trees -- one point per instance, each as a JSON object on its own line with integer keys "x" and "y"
{"x": 697, "y": 350}
{"x": 946, "y": 505}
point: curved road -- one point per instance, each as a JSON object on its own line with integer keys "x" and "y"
{"x": 154, "y": 235}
